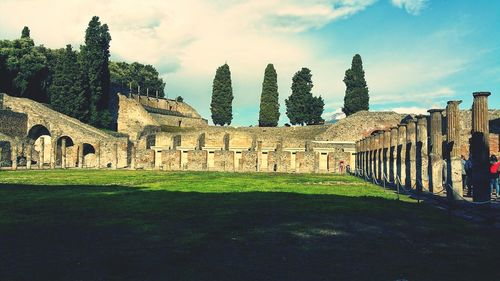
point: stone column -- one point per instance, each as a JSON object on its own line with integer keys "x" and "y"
{"x": 436, "y": 150}
{"x": 42, "y": 152}
{"x": 422, "y": 156}
{"x": 29, "y": 148}
{"x": 376, "y": 143}
{"x": 372, "y": 156}
{"x": 393, "y": 157}
{"x": 480, "y": 148}
{"x": 365, "y": 156}
{"x": 380, "y": 148}
{"x": 454, "y": 163}
{"x": 133, "y": 155}
{"x": 402, "y": 153}
{"x": 53, "y": 151}
{"x": 80, "y": 155}
{"x": 385, "y": 153}
{"x": 115, "y": 149}
{"x": 411, "y": 141}
{"x": 98, "y": 155}
{"x": 14, "y": 152}
{"x": 63, "y": 153}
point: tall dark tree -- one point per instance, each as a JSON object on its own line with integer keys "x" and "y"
{"x": 315, "y": 110}
{"x": 356, "y": 93}
{"x": 297, "y": 102}
{"x": 25, "y": 33}
{"x": 67, "y": 93}
{"x": 269, "y": 113}
{"x": 222, "y": 97}
{"x": 95, "y": 63}
{"x": 301, "y": 106}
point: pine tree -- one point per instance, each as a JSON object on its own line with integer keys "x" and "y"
{"x": 269, "y": 104}
{"x": 25, "y": 33}
{"x": 222, "y": 97}
{"x": 356, "y": 94}
{"x": 67, "y": 93}
{"x": 297, "y": 103}
{"x": 95, "y": 63}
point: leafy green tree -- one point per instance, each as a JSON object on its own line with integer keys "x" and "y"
{"x": 23, "y": 69}
{"x": 25, "y": 33}
{"x": 297, "y": 102}
{"x": 269, "y": 113}
{"x": 95, "y": 63}
{"x": 222, "y": 97}
{"x": 125, "y": 75}
{"x": 67, "y": 92}
{"x": 356, "y": 93}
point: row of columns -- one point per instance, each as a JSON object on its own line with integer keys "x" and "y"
{"x": 64, "y": 161}
{"x": 412, "y": 154}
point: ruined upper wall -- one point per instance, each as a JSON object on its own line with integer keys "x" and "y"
{"x": 167, "y": 104}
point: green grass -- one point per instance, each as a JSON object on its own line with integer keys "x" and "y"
{"x": 146, "y": 225}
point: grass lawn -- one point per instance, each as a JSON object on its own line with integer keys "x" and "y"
{"x": 146, "y": 225}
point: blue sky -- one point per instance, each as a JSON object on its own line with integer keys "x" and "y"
{"x": 417, "y": 53}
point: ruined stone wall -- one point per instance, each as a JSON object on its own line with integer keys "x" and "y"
{"x": 223, "y": 160}
{"x": 279, "y": 161}
{"x": 178, "y": 121}
{"x": 167, "y": 104}
{"x": 133, "y": 118}
{"x": 197, "y": 160}
{"x": 306, "y": 162}
{"x": 145, "y": 159}
{"x": 249, "y": 161}
{"x": 13, "y": 124}
{"x": 171, "y": 160}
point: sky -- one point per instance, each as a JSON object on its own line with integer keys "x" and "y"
{"x": 417, "y": 54}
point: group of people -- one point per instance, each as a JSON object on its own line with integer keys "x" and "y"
{"x": 494, "y": 171}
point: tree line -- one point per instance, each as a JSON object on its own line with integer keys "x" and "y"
{"x": 302, "y": 108}
{"x": 76, "y": 83}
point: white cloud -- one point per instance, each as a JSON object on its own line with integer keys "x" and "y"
{"x": 412, "y": 7}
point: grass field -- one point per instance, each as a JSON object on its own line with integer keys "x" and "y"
{"x": 145, "y": 225}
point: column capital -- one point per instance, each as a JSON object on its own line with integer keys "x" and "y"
{"x": 435, "y": 110}
{"x": 481, "y": 94}
{"x": 457, "y": 102}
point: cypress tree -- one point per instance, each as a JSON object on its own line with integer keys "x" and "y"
{"x": 25, "y": 33}
{"x": 222, "y": 97}
{"x": 67, "y": 93}
{"x": 297, "y": 103}
{"x": 356, "y": 93}
{"x": 316, "y": 108}
{"x": 269, "y": 113}
{"x": 95, "y": 63}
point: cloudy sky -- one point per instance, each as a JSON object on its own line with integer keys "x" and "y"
{"x": 417, "y": 54}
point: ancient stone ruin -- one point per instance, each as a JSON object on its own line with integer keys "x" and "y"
{"x": 424, "y": 153}
{"x": 163, "y": 134}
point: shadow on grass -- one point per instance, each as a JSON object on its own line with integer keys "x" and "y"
{"x": 128, "y": 233}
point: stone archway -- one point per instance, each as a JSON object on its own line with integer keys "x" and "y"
{"x": 89, "y": 156}
{"x": 65, "y": 152}
{"x": 42, "y": 140}
{"x": 5, "y": 154}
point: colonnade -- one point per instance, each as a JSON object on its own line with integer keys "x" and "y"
{"x": 415, "y": 154}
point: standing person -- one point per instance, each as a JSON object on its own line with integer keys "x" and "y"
{"x": 468, "y": 179}
{"x": 494, "y": 172}
{"x": 464, "y": 172}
